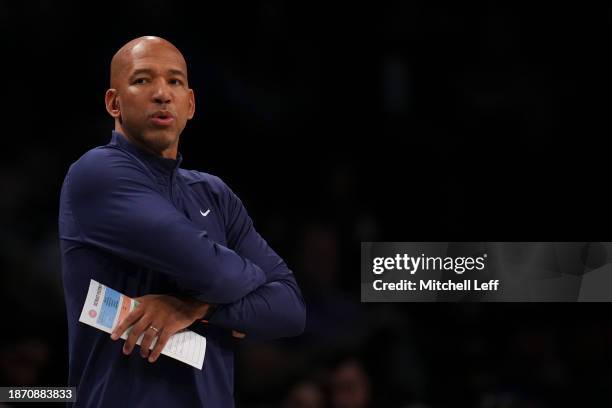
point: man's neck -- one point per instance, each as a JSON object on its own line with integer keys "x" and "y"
{"x": 169, "y": 153}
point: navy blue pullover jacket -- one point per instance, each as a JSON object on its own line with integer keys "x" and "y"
{"x": 141, "y": 225}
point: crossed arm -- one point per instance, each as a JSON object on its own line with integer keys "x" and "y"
{"x": 118, "y": 209}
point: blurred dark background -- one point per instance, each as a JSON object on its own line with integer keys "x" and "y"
{"x": 336, "y": 124}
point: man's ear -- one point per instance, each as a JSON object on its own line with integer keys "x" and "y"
{"x": 191, "y": 104}
{"x": 112, "y": 103}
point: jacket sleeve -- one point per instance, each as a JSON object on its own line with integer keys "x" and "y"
{"x": 117, "y": 208}
{"x": 275, "y": 309}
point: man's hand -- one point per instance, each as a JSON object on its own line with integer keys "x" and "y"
{"x": 167, "y": 314}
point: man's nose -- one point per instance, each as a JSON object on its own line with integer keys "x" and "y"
{"x": 162, "y": 93}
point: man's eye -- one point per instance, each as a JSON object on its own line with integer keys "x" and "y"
{"x": 140, "y": 81}
{"x": 176, "y": 82}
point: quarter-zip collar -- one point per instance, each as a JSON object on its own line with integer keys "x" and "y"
{"x": 159, "y": 165}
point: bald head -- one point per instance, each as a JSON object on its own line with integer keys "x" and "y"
{"x": 142, "y": 47}
{"x": 149, "y": 96}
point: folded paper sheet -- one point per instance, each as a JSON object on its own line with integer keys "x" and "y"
{"x": 104, "y": 308}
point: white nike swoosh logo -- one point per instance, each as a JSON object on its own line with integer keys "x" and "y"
{"x": 205, "y": 213}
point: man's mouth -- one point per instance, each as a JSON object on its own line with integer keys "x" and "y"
{"x": 162, "y": 119}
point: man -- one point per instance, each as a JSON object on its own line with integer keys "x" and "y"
{"x": 179, "y": 241}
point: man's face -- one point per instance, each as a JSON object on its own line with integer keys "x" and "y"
{"x": 152, "y": 96}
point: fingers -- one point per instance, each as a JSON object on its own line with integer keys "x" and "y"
{"x": 129, "y": 320}
{"x": 164, "y": 336}
{"x": 238, "y": 335}
{"x": 137, "y": 330}
{"x": 171, "y": 314}
{"x": 147, "y": 340}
